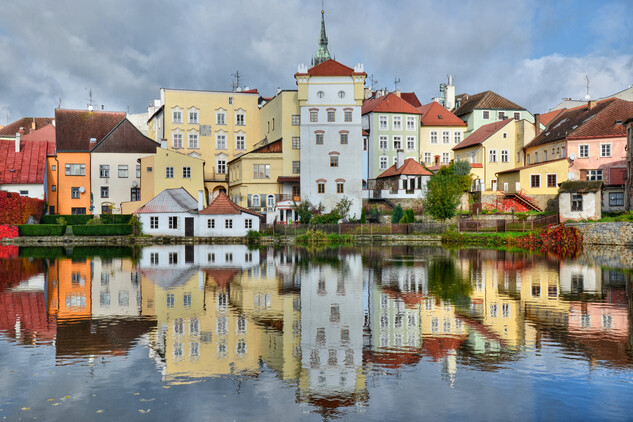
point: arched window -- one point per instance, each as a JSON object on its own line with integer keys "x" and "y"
{"x": 255, "y": 201}
{"x": 270, "y": 201}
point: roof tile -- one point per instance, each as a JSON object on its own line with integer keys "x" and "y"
{"x": 434, "y": 114}
{"x": 74, "y": 128}
{"x": 27, "y": 124}
{"x": 222, "y": 205}
{"x": 25, "y": 167}
{"x": 409, "y": 167}
{"x": 481, "y": 134}
{"x": 485, "y": 100}
{"x": 390, "y": 103}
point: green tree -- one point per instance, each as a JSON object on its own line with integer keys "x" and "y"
{"x": 342, "y": 208}
{"x": 363, "y": 217}
{"x": 409, "y": 216}
{"x": 304, "y": 210}
{"x": 445, "y": 188}
{"x": 397, "y": 215}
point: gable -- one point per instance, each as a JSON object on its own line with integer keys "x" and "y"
{"x": 126, "y": 138}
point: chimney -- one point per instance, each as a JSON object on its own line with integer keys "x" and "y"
{"x": 537, "y": 124}
{"x": 398, "y": 93}
{"x": 591, "y": 104}
{"x": 449, "y": 94}
{"x": 21, "y": 131}
{"x": 163, "y": 143}
{"x": 200, "y": 200}
{"x": 18, "y": 136}
{"x": 33, "y": 124}
{"x": 399, "y": 158}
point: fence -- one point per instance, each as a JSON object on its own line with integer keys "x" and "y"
{"x": 504, "y": 225}
{"x": 356, "y": 229}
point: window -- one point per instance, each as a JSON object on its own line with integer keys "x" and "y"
{"x": 616, "y": 199}
{"x": 220, "y": 118}
{"x": 397, "y": 122}
{"x": 270, "y": 201}
{"x": 248, "y": 223}
{"x": 492, "y": 156}
{"x": 344, "y": 138}
{"x": 486, "y": 115}
{"x": 170, "y": 296}
{"x": 153, "y": 257}
{"x": 545, "y": 155}
{"x": 193, "y": 141}
{"x": 78, "y": 211}
{"x": 220, "y": 141}
{"x": 105, "y": 192}
{"x": 54, "y": 189}
{"x": 576, "y": 201}
{"x": 240, "y": 142}
{"x": 552, "y": 180}
{"x": 333, "y": 160}
{"x": 211, "y": 223}
{"x": 135, "y": 194}
{"x": 505, "y": 156}
{"x": 230, "y": 100}
{"x": 221, "y": 165}
{"x": 410, "y": 123}
{"x": 382, "y": 142}
{"x": 186, "y": 172}
{"x": 138, "y": 171}
{"x": 397, "y": 142}
{"x": 74, "y": 193}
{"x": 314, "y": 116}
{"x": 347, "y": 116}
{"x": 410, "y": 143}
{"x": 296, "y": 120}
{"x": 296, "y": 167}
{"x": 296, "y": 142}
{"x": 457, "y": 136}
{"x": 535, "y": 180}
{"x": 340, "y": 188}
{"x": 104, "y": 171}
{"x": 446, "y": 157}
{"x": 319, "y": 139}
{"x": 427, "y": 157}
{"x": 594, "y": 174}
{"x": 173, "y": 222}
{"x": 446, "y": 137}
{"x": 502, "y": 115}
{"x": 383, "y": 123}
{"x": 169, "y": 172}
{"x": 605, "y": 150}
{"x": 261, "y": 171}
{"x": 296, "y": 191}
{"x": 383, "y": 163}
{"x": 123, "y": 171}
{"x": 173, "y": 258}
{"x": 434, "y": 137}
{"x": 240, "y": 119}
{"x": 228, "y": 223}
{"x": 505, "y": 135}
{"x": 153, "y": 223}
{"x": 53, "y": 167}
{"x": 517, "y": 116}
{"x": 331, "y": 116}
{"x": 583, "y": 151}
{"x": 176, "y": 116}
{"x": 75, "y": 169}
{"x": 321, "y": 187}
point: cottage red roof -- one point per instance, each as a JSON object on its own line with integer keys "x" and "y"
{"x": 74, "y": 128}
{"x": 484, "y": 100}
{"x": 481, "y": 134}
{"x": 223, "y": 205}
{"x": 332, "y": 68}
{"x": 390, "y": 103}
{"x": 27, "y": 124}
{"x": 25, "y": 167}
{"x": 434, "y": 114}
{"x": 410, "y": 167}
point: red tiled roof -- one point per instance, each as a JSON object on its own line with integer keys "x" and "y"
{"x": 411, "y": 98}
{"x": 46, "y": 133}
{"x": 223, "y": 205}
{"x": 30, "y": 309}
{"x": 332, "y": 68}
{"x": 25, "y": 167}
{"x": 390, "y": 103}
{"x": 481, "y": 134}
{"x": 74, "y": 128}
{"x": 546, "y": 118}
{"x": 27, "y": 124}
{"x": 222, "y": 276}
{"x": 410, "y": 167}
{"x": 485, "y": 100}
{"x": 434, "y": 114}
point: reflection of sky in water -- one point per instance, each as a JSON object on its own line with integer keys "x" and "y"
{"x": 530, "y": 343}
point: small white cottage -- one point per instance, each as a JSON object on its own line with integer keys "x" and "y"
{"x": 406, "y": 179}
{"x": 224, "y": 217}
{"x": 173, "y": 212}
{"x": 580, "y": 200}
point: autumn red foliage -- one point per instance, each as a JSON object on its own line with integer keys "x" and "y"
{"x": 561, "y": 241}
{"x": 15, "y": 270}
{"x": 16, "y": 209}
{"x": 8, "y": 231}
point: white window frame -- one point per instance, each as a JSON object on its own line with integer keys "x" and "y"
{"x": 492, "y": 156}
{"x": 220, "y": 141}
{"x": 396, "y": 122}
{"x": 427, "y": 157}
{"x": 397, "y": 139}
{"x": 602, "y": 149}
{"x": 123, "y": 171}
{"x": 176, "y": 115}
{"x": 220, "y": 118}
{"x": 505, "y": 156}
{"x": 383, "y": 122}
{"x": 532, "y": 181}
{"x": 169, "y": 172}
{"x": 485, "y": 115}
{"x": 383, "y": 162}
{"x": 176, "y": 140}
{"x": 104, "y": 171}
{"x": 411, "y": 141}
{"x": 411, "y": 123}
{"x": 240, "y": 119}
{"x": 240, "y": 142}
{"x": 446, "y": 157}
{"x": 446, "y": 137}
{"x": 593, "y": 174}
{"x": 193, "y": 117}
{"x": 153, "y": 222}
{"x": 457, "y": 136}
{"x": 173, "y": 222}
{"x": 296, "y": 142}
{"x": 255, "y": 201}
{"x": 186, "y": 172}
{"x": 383, "y": 142}
{"x": 193, "y": 140}
{"x": 434, "y": 139}
{"x": 220, "y": 164}
{"x": 228, "y": 223}
{"x": 583, "y": 151}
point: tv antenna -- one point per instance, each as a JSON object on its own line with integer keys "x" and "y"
{"x": 396, "y": 81}
{"x": 236, "y": 80}
{"x": 587, "y": 97}
{"x": 373, "y": 81}
{"x": 90, "y": 100}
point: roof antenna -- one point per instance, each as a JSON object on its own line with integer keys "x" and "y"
{"x": 396, "y": 81}
{"x": 587, "y": 97}
{"x": 236, "y": 80}
{"x": 373, "y": 81}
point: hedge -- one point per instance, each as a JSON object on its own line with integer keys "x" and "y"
{"x": 103, "y": 230}
{"x": 116, "y": 218}
{"x": 41, "y": 229}
{"x": 70, "y": 219}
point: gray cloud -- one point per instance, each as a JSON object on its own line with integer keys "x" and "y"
{"x": 125, "y": 51}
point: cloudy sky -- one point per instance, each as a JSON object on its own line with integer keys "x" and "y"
{"x": 532, "y": 52}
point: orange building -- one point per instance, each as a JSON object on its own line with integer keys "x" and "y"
{"x": 69, "y": 287}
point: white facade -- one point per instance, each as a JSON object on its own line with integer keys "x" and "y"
{"x": 201, "y": 256}
{"x": 116, "y": 291}
{"x": 227, "y": 225}
{"x": 167, "y": 223}
{"x": 409, "y": 187}
{"x": 32, "y": 190}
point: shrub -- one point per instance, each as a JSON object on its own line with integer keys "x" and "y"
{"x": 61, "y": 221}
{"x": 363, "y": 217}
{"x": 397, "y": 215}
{"x": 410, "y": 218}
{"x": 94, "y": 222}
{"x": 17, "y": 209}
{"x": 42, "y": 230}
{"x": 329, "y": 218}
{"x": 116, "y": 218}
{"x": 312, "y": 236}
{"x": 137, "y": 226}
{"x": 8, "y": 231}
{"x": 73, "y": 220}
{"x": 103, "y": 230}
{"x": 253, "y": 236}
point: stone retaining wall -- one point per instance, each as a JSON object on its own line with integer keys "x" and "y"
{"x": 620, "y": 234}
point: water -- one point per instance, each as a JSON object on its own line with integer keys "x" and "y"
{"x": 370, "y": 333}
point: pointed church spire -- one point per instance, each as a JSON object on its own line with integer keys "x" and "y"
{"x": 322, "y": 53}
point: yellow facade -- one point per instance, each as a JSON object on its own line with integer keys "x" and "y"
{"x": 243, "y": 183}
{"x": 536, "y": 179}
{"x": 435, "y": 153}
{"x": 281, "y": 119}
{"x": 218, "y": 126}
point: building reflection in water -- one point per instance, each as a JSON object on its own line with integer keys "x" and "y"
{"x": 322, "y": 321}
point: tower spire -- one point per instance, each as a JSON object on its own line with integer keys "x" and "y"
{"x": 322, "y": 53}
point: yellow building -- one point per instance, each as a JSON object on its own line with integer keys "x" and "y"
{"x": 535, "y": 179}
{"x": 167, "y": 169}
{"x": 494, "y": 148}
{"x": 216, "y": 126}
{"x": 440, "y": 131}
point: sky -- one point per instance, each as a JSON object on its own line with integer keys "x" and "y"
{"x": 532, "y": 52}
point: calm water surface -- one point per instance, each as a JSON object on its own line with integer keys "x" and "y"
{"x": 373, "y": 333}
